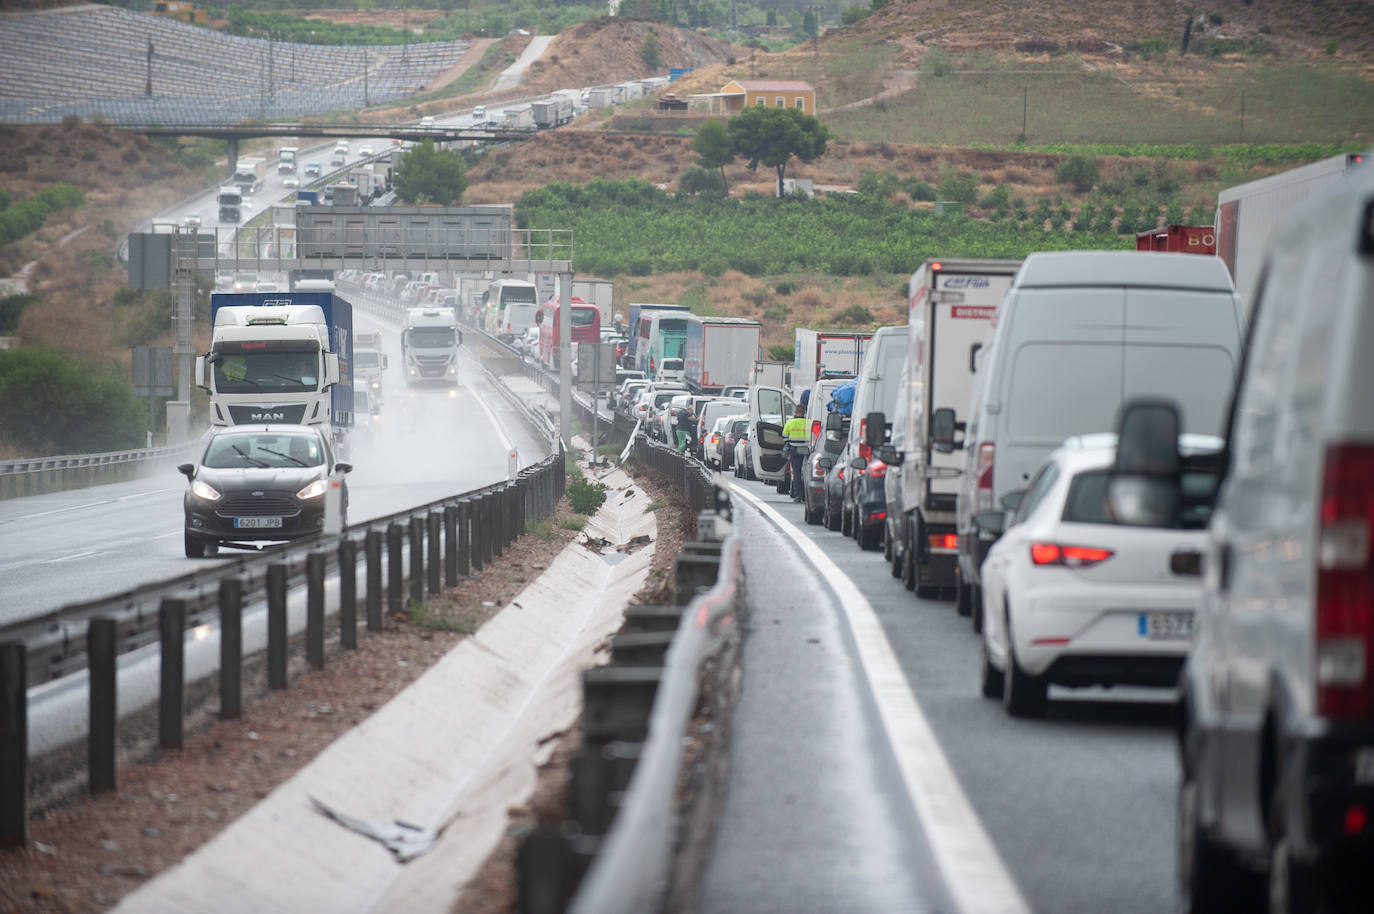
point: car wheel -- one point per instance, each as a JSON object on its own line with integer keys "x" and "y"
{"x": 832, "y": 520}
{"x": 846, "y": 522}
{"x": 887, "y": 551}
{"x": 813, "y": 515}
{"x": 868, "y": 540}
{"x": 195, "y": 548}
{"x": 784, "y": 485}
{"x": 1024, "y": 695}
{"x": 977, "y": 616}
{"x": 990, "y": 678}
{"x": 1209, "y": 879}
{"x": 895, "y": 559}
{"x": 963, "y": 595}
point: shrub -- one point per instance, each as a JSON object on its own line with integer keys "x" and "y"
{"x": 959, "y": 186}
{"x": 853, "y": 14}
{"x": 755, "y": 297}
{"x": 917, "y": 189}
{"x": 695, "y": 181}
{"x": 1079, "y": 171}
{"x": 1130, "y": 216}
{"x": 584, "y": 495}
{"x": 776, "y": 313}
{"x": 782, "y": 352}
{"x": 937, "y": 60}
{"x": 854, "y": 314}
{"x": 1150, "y": 48}
{"x": 785, "y": 287}
{"x": 1042, "y": 212}
{"x": 11, "y": 309}
{"x": 50, "y": 404}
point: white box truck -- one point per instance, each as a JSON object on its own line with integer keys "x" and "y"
{"x": 827, "y": 354}
{"x": 951, "y": 311}
{"x": 720, "y": 352}
{"x": 249, "y": 173}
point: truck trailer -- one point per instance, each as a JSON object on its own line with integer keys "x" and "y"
{"x": 1248, "y": 214}
{"x": 283, "y": 357}
{"x": 823, "y": 354}
{"x": 554, "y": 111}
{"x": 720, "y": 352}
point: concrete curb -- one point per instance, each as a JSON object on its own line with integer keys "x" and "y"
{"x": 450, "y": 755}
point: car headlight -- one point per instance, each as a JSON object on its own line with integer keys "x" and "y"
{"x": 204, "y": 490}
{"x": 314, "y": 490}
{"x": 376, "y": 385}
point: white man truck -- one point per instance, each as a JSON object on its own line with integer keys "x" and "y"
{"x": 429, "y": 344}
{"x": 230, "y": 202}
{"x": 951, "y": 310}
{"x": 280, "y": 357}
{"x": 286, "y": 160}
{"x": 249, "y": 174}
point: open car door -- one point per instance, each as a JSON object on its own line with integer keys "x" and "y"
{"x": 769, "y": 408}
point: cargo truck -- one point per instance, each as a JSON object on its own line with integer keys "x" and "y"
{"x": 824, "y": 354}
{"x": 286, "y": 160}
{"x": 1248, "y": 214}
{"x": 429, "y": 346}
{"x": 230, "y": 202}
{"x": 951, "y": 311}
{"x": 280, "y": 357}
{"x": 520, "y": 117}
{"x": 599, "y": 292}
{"x": 552, "y": 112}
{"x": 720, "y": 351}
{"x": 250, "y": 173}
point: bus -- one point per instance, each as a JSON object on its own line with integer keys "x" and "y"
{"x": 510, "y": 308}
{"x": 586, "y": 327}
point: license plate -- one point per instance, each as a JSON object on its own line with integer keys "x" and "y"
{"x": 1166, "y": 625}
{"x": 256, "y": 523}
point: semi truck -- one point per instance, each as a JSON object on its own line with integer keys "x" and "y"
{"x": 1248, "y": 214}
{"x": 520, "y": 117}
{"x": 280, "y": 357}
{"x": 599, "y": 292}
{"x": 552, "y": 112}
{"x": 429, "y": 346}
{"x": 951, "y": 311}
{"x": 286, "y": 160}
{"x": 230, "y": 202}
{"x": 720, "y": 352}
{"x": 821, "y": 354}
{"x": 249, "y": 174}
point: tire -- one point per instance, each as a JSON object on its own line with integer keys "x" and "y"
{"x": 195, "y": 548}
{"x": 976, "y": 592}
{"x": 813, "y": 515}
{"x": 846, "y": 521}
{"x": 1209, "y": 879}
{"x": 1024, "y": 695}
{"x": 888, "y": 550}
{"x": 991, "y": 681}
{"x": 963, "y": 595}
{"x": 784, "y": 485}
{"x": 1292, "y": 886}
{"x": 868, "y": 540}
{"x": 895, "y": 559}
{"x": 832, "y": 521}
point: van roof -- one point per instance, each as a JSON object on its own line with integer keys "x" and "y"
{"x": 1123, "y": 268}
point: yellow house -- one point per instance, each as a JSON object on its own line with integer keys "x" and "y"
{"x": 772, "y": 93}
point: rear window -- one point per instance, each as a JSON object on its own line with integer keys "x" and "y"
{"x": 1087, "y": 499}
{"x": 583, "y": 317}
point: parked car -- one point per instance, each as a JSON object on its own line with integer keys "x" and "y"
{"x": 258, "y": 482}
{"x": 834, "y": 517}
{"x": 1076, "y": 599}
{"x": 875, "y": 391}
{"x": 1097, "y": 328}
{"x": 1276, "y": 707}
{"x": 737, "y": 428}
{"x": 827, "y": 445}
{"x": 714, "y": 443}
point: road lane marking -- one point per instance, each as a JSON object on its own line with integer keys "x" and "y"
{"x": 505, "y": 439}
{"x": 67, "y": 558}
{"x": 976, "y": 876}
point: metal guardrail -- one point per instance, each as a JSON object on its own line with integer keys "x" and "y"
{"x": 36, "y": 475}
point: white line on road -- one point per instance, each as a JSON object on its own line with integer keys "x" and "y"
{"x": 977, "y": 878}
{"x": 505, "y": 439}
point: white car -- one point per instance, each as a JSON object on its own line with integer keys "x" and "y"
{"x": 1072, "y": 598}
{"x": 479, "y": 113}
{"x": 290, "y": 181}
{"x": 715, "y": 441}
{"x": 191, "y": 220}
{"x": 365, "y": 151}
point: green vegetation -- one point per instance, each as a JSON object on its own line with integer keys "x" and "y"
{"x": 193, "y": 152}
{"x": 51, "y": 404}
{"x": 11, "y": 309}
{"x": 977, "y": 98}
{"x": 631, "y": 227}
{"x": 427, "y": 616}
{"x": 651, "y": 52}
{"x": 1080, "y": 171}
{"x": 540, "y": 529}
{"x": 585, "y": 496}
{"x": 27, "y": 216}
{"x": 486, "y": 19}
{"x": 786, "y": 352}
{"x": 573, "y": 523}
{"x": 714, "y": 148}
{"x": 429, "y": 175}
{"x": 772, "y": 136}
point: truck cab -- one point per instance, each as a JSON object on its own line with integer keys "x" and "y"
{"x": 230, "y": 202}
{"x": 429, "y": 343}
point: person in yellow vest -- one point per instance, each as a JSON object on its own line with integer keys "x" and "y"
{"x": 795, "y": 433}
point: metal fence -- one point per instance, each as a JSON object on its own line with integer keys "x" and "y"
{"x": 36, "y": 475}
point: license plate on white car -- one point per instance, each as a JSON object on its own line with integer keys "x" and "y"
{"x": 256, "y": 523}
{"x": 1166, "y": 626}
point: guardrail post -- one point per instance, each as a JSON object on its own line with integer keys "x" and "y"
{"x": 465, "y": 537}
{"x": 504, "y": 498}
{"x": 496, "y": 520}
{"x": 522, "y": 505}
{"x": 372, "y": 547}
{"x": 276, "y": 626}
{"x": 102, "y": 685}
{"x": 417, "y": 559}
{"x": 481, "y": 557}
{"x": 171, "y": 691}
{"x": 348, "y": 593}
{"x": 450, "y": 545}
{"x": 434, "y": 519}
{"x": 314, "y": 610}
{"x": 230, "y": 648}
{"x": 14, "y": 744}
{"x": 395, "y": 534}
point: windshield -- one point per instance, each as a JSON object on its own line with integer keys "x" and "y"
{"x": 365, "y": 358}
{"x": 1087, "y": 499}
{"x": 277, "y": 372}
{"x": 431, "y": 337}
{"x": 583, "y": 317}
{"x": 245, "y": 450}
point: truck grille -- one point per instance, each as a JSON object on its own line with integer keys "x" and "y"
{"x": 245, "y": 504}
{"x": 291, "y": 414}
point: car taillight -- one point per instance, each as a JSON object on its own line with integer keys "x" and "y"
{"x": 1345, "y": 589}
{"x": 817, "y": 470}
{"x": 877, "y": 469}
{"x": 983, "y": 493}
{"x": 864, "y": 450}
{"x": 815, "y": 428}
{"x": 1070, "y": 556}
{"x": 715, "y": 439}
{"x": 943, "y": 541}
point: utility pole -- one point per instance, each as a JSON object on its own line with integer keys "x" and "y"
{"x": 365, "y": 102}
{"x": 148, "y": 87}
{"x": 1025, "y": 101}
{"x": 1242, "y": 115}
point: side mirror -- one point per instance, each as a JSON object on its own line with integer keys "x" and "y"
{"x": 1012, "y": 500}
{"x": 875, "y": 428}
{"x": 943, "y": 428}
{"x": 383, "y": 363}
{"x": 990, "y": 522}
{"x": 343, "y": 467}
{"x": 1144, "y": 488}
{"x": 859, "y": 463}
{"x": 201, "y": 371}
{"x": 331, "y": 368}
{"x": 834, "y": 422}
{"x": 187, "y": 469}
